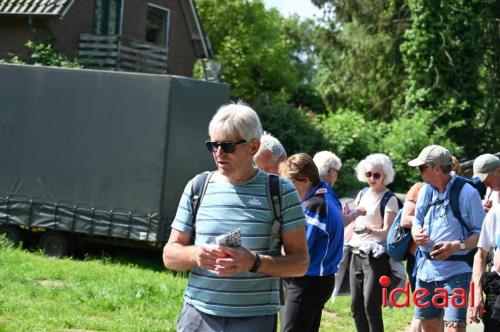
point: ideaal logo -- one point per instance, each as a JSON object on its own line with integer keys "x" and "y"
{"x": 439, "y": 299}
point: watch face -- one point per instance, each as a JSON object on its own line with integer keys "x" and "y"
{"x": 462, "y": 245}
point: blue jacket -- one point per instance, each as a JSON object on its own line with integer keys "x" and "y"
{"x": 325, "y": 230}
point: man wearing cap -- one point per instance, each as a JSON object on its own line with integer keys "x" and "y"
{"x": 487, "y": 168}
{"x": 442, "y": 239}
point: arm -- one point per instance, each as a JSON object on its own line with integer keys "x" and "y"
{"x": 293, "y": 263}
{"x": 388, "y": 220}
{"x": 408, "y": 214}
{"x": 478, "y": 270}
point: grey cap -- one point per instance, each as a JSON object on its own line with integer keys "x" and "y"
{"x": 484, "y": 165}
{"x": 433, "y": 155}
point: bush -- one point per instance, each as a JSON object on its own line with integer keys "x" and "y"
{"x": 294, "y": 128}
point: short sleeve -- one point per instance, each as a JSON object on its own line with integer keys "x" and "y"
{"x": 183, "y": 221}
{"x": 392, "y": 205}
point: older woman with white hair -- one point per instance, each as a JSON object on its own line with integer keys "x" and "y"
{"x": 369, "y": 261}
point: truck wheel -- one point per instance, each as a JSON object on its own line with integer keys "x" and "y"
{"x": 11, "y": 233}
{"x": 54, "y": 244}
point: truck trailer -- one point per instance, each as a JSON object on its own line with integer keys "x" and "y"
{"x": 99, "y": 155}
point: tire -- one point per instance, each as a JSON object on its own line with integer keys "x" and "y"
{"x": 55, "y": 244}
{"x": 12, "y": 233}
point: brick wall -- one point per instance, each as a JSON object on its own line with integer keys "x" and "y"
{"x": 15, "y": 33}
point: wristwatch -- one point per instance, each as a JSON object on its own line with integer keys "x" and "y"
{"x": 256, "y": 264}
{"x": 462, "y": 245}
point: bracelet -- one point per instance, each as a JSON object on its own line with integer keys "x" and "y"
{"x": 256, "y": 264}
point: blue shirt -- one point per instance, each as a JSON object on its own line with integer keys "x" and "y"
{"x": 325, "y": 231}
{"x": 442, "y": 225}
{"x": 224, "y": 208}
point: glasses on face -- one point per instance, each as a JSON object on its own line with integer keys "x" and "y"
{"x": 423, "y": 167}
{"x": 335, "y": 170}
{"x": 227, "y": 147}
{"x": 375, "y": 175}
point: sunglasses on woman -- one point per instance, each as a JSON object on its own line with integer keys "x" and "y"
{"x": 227, "y": 147}
{"x": 375, "y": 175}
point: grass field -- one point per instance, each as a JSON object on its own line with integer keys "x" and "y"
{"x": 117, "y": 292}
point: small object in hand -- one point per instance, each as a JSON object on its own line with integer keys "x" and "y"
{"x": 359, "y": 229}
{"x": 230, "y": 239}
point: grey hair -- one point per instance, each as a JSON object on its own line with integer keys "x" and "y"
{"x": 379, "y": 160}
{"x": 325, "y": 161}
{"x": 236, "y": 119}
{"x": 270, "y": 143}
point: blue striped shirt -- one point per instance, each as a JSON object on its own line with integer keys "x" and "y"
{"x": 224, "y": 208}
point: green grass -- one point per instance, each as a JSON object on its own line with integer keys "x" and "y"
{"x": 110, "y": 294}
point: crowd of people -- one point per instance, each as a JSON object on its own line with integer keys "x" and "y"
{"x": 241, "y": 284}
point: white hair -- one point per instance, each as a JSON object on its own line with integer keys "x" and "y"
{"x": 236, "y": 119}
{"x": 325, "y": 161}
{"x": 378, "y": 160}
{"x": 270, "y": 143}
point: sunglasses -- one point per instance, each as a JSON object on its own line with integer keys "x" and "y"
{"x": 227, "y": 147}
{"x": 421, "y": 168}
{"x": 376, "y": 176}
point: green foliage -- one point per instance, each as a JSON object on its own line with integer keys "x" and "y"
{"x": 247, "y": 39}
{"x": 404, "y": 138}
{"x": 361, "y": 68}
{"x": 445, "y": 51}
{"x": 295, "y": 129}
{"x": 43, "y": 54}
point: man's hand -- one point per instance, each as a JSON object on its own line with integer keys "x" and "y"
{"x": 420, "y": 237}
{"x": 476, "y": 312}
{"x": 236, "y": 260}
{"x": 443, "y": 250}
{"x": 207, "y": 256}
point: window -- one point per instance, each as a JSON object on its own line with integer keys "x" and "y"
{"x": 157, "y": 26}
{"x": 107, "y": 17}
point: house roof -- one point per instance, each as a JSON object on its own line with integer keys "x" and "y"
{"x": 35, "y": 7}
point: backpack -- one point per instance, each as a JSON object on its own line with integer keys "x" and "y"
{"x": 453, "y": 195}
{"x": 398, "y": 239}
{"x": 199, "y": 187}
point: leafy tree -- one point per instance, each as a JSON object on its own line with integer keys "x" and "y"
{"x": 361, "y": 67}
{"x": 446, "y": 52}
{"x": 256, "y": 59}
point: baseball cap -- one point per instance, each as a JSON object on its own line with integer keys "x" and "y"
{"x": 485, "y": 164}
{"x": 434, "y": 155}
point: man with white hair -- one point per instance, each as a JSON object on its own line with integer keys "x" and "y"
{"x": 235, "y": 288}
{"x": 271, "y": 153}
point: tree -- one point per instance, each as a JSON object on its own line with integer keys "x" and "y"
{"x": 256, "y": 59}
{"x": 361, "y": 66}
{"x": 449, "y": 52}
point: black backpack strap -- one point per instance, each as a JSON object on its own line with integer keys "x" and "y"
{"x": 198, "y": 189}
{"x": 385, "y": 199}
{"x": 274, "y": 194}
{"x": 454, "y": 196}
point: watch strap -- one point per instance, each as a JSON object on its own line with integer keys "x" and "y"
{"x": 256, "y": 264}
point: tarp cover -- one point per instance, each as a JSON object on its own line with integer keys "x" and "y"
{"x": 83, "y": 150}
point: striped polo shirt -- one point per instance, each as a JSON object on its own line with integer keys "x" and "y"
{"x": 224, "y": 208}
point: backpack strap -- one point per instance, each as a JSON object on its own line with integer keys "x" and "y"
{"x": 274, "y": 194}
{"x": 385, "y": 199}
{"x": 454, "y": 195}
{"x": 198, "y": 188}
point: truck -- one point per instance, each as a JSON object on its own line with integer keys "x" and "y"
{"x": 98, "y": 155}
